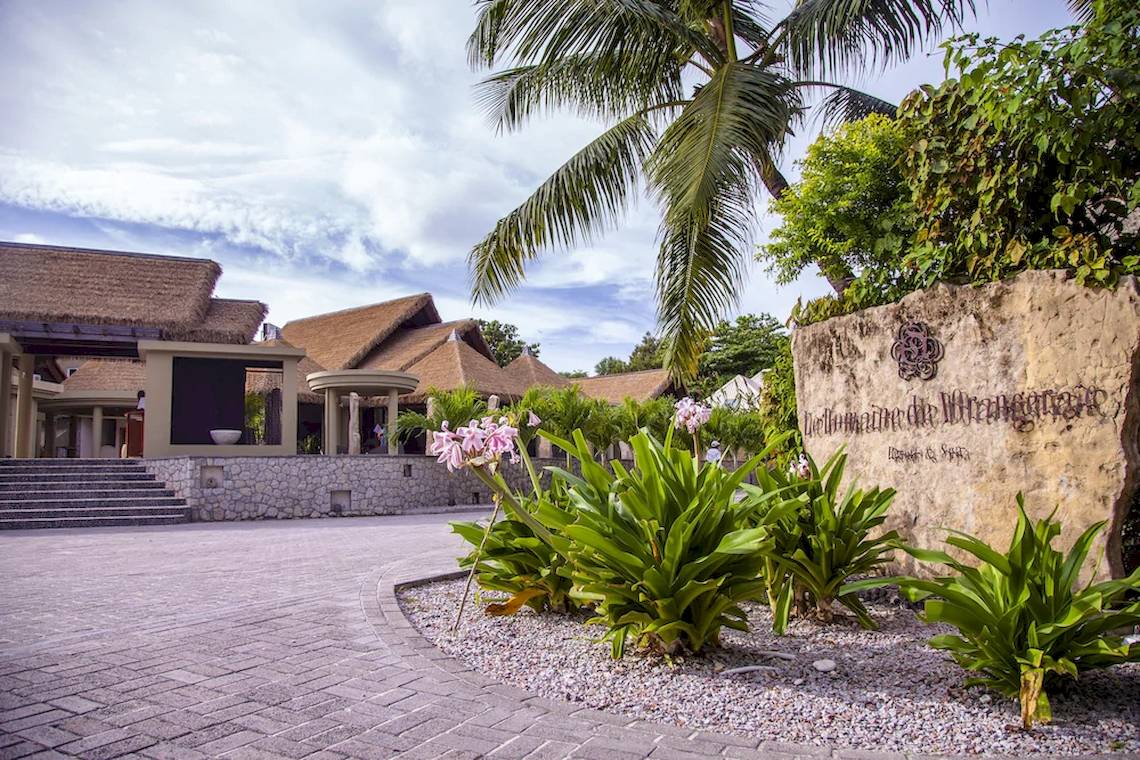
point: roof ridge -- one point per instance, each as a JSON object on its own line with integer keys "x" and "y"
{"x": 351, "y": 309}
{"x": 106, "y": 252}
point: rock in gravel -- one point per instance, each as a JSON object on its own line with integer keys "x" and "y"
{"x": 824, "y": 666}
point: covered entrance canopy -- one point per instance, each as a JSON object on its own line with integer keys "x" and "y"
{"x": 335, "y": 384}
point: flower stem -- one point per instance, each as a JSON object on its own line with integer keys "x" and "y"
{"x": 475, "y": 564}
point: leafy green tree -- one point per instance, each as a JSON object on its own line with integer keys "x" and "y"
{"x": 504, "y": 341}
{"x": 1030, "y": 159}
{"x": 574, "y": 374}
{"x": 778, "y": 406}
{"x": 611, "y": 365}
{"x": 744, "y": 347}
{"x": 648, "y": 354}
{"x": 851, "y": 212}
{"x": 700, "y": 96}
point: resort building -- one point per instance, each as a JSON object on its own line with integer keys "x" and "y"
{"x": 86, "y": 334}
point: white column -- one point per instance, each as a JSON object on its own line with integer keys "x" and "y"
{"x": 393, "y": 412}
{"x": 332, "y": 413}
{"x": 24, "y": 421}
{"x": 97, "y": 432}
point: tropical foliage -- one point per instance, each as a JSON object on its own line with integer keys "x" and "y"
{"x": 457, "y": 406}
{"x": 745, "y": 346}
{"x": 700, "y": 96}
{"x": 659, "y": 550}
{"x": 517, "y": 561}
{"x": 1023, "y": 617}
{"x": 504, "y": 341}
{"x": 850, "y": 213}
{"x": 819, "y": 540}
{"x": 1031, "y": 157}
{"x": 1028, "y": 159}
{"x": 778, "y": 415}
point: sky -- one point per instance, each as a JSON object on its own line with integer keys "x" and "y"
{"x": 330, "y": 154}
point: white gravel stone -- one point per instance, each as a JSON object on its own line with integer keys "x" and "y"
{"x": 824, "y": 666}
{"x": 889, "y": 691}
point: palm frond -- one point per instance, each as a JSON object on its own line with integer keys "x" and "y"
{"x": 602, "y": 86}
{"x": 585, "y": 195}
{"x": 831, "y": 35}
{"x": 532, "y": 31}
{"x": 844, "y": 104}
{"x": 704, "y": 173}
{"x": 1082, "y": 10}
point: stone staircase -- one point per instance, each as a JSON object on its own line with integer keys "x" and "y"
{"x": 82, "y": 493}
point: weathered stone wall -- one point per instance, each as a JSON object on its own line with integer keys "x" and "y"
{"x": 1035, "y": 391}
{"x": 254, "y": 488}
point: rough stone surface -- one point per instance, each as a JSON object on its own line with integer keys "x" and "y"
{"x": 1047, "y": 376}
{"x": 256, "y": 488}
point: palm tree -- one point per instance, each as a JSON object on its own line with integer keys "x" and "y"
{"x": 456, "y": 407}
{"x": 700, "y": 96}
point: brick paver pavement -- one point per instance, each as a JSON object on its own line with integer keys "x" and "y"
{"x": 269, "y": 640}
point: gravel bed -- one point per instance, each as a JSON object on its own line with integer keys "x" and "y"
{"x": 889, "y": 691}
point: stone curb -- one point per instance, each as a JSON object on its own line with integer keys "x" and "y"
{"x": 601, "y": 734}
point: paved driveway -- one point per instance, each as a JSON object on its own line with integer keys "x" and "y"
{"x": 263, "y": 640}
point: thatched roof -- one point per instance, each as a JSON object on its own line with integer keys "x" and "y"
{"x": 454, "y": 364}
{"x": 342, "y": 339}
{"x": 405, "y": 347}
{"x": 108, "y": 375}
{"x": 528, "y": 371}
{"x": 263, "y": 382}
{"x": 640, "y": 386}
{"x": 56, "y": 284}
{"x": 227, "y": 321}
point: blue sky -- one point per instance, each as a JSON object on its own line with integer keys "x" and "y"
{"x": 327, "y": 155}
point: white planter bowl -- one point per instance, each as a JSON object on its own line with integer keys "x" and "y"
{"x": 225, "y": 437}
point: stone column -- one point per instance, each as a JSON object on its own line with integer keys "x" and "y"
{"x": 5, "y": 401}
{"x": 393, "y": 412}
{"x": 97, "y": 431}
{"x": 49, "y": 434}
{"x": 24, "y": 421}
{"x": 353, "y": 423}
{"x": 73, "y": 435}
{"x": 332, "y": 418}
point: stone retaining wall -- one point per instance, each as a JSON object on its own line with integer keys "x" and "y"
{"x": 255, "y": 488}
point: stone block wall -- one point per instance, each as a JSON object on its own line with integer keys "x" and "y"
{"x": 255, "y": 488}
{"x": 959, "y": 397}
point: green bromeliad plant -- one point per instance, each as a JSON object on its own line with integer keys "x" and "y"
{"x": 661, "y": 550}
{"x": 1023, "y": 619}
{"x": 818, "y": 540}
{"x": 518, "y": 561}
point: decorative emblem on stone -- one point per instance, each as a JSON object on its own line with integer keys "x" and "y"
{"x": 917, "y": 352}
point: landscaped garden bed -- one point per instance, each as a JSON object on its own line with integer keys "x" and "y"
{"x": 888, "y": 690}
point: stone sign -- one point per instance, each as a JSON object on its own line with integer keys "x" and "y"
{"x": 961, "y": 396}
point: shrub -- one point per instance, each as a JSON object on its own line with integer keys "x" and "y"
{"x": 1022, "y": 620}
{"x": 517, "y": 561}
{"x": 1030, "y": 158}
{"x": 661, "y": 550}
{"x": 818, "y": 540}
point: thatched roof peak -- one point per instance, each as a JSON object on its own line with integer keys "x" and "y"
{"x": 527, "y": 370}
{"x": 343, "y": 339}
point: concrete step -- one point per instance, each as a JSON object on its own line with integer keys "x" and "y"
{"x": 107, "y": 521}
{"x": 25, "y": 469}
{"x": 62, "y": 462}
{"x": 15, "y": 497}
{"x": 73, "y": 477}
{"x": 118, "y": 511}
{"x": 79, "y": 485}
{"x": 56, "y": 503}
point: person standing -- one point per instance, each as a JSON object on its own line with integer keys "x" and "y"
{"x": 713, "y": 455}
